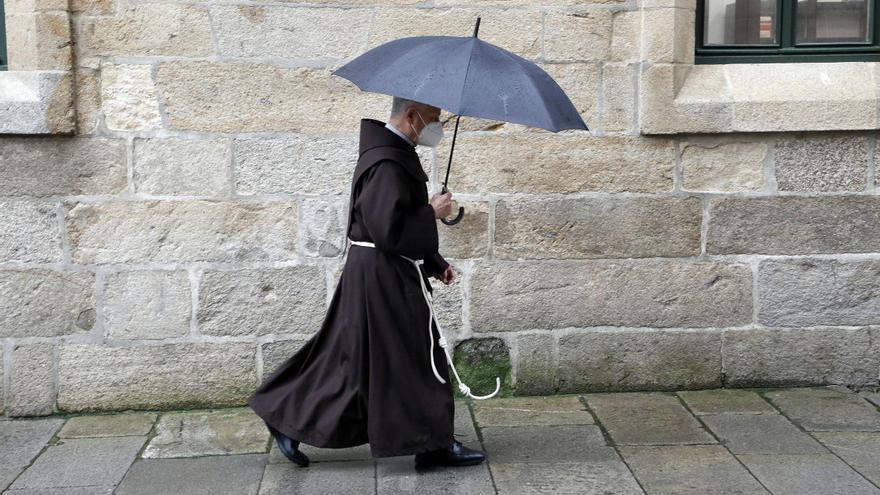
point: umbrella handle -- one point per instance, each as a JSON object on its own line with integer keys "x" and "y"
{"x": 457, "y": 217}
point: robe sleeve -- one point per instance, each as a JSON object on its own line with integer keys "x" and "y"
{"x": 435, "y": 264}
{"x": 394, "y": 223}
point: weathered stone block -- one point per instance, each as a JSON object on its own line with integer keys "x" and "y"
{"x": 322, "y": 229}
{"x": 794, "y": 225}
{"x": 800, "y": 356}
{"x": 45, "y": 303}
{"x": 147, "y": 304}
{"x": 479, "y": 362}
{"x": 88, "y": 100}
{"x": 448, "y": 301}
{"x": 29, "y": 232}
{"x": 149, "y": 29}
{"x": 515, "y": 30}
{"x": 38, "y": 41}
{"x": 468, "y": 238}
{"x": 639, "y": 360}
{"x": 677, "y": 98}
{"x": 723, "y": 167}
{"x": 257, "y": 97}
{"x": 597, "y": 228}
{"x": 97, "y": 377}
{"x": 619, "y": 83}
{"x": 295, "y": 165}
{"x": 669, "y": 36}
{"x": 177, "y": 231}
{"x": 579, "y": 35}
{"x": 535, "y": 364}
{"x": 655, "y": 293}
{"x": 37, "y": 102}
{"x": 262, "y": 301}
{"x": 61, "y": 166}
{"x": 31, "y": 386}
{"x": 822, "y": 164}
{"x": 626, "y": 31}
{"x": 810, "y": 292}
{"x": 182, "y": 166}
{"x": 294, "y": 33}
{"x": 567, "y": 162}
{"x": 128, "y": 98}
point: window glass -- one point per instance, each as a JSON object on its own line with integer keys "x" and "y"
{"x": 740, "y": 22}
{"x": 832, "y": 21}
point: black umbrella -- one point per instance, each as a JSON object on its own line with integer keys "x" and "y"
{"x": 465, "y": 76}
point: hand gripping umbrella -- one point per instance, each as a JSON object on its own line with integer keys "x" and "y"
{"x": 465, "y": 76}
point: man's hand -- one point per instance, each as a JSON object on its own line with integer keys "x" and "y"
{"x": 447, "y": 277}
{"x": 442, "y": 204}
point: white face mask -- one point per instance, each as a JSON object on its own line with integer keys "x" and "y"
{"x": 431, "y": 134}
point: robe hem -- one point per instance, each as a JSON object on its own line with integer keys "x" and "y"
{"x": 312, "y": 440}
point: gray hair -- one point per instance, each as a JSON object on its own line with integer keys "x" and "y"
{"x": 399, "y": 105}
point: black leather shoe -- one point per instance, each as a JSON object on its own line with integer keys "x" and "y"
{"x": 289, "y": 447}
{"x": 454, "y": 455}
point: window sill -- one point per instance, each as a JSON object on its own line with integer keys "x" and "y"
{"x": 36, "y": 102}
{"x": 684, "y": 98}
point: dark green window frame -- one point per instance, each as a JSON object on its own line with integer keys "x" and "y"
{"x": 785, "y": 50}
{"x": 3, "y": 60}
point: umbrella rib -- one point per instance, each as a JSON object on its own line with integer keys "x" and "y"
{"x": 466, "y": 71}
{"x": 531, "y": 82}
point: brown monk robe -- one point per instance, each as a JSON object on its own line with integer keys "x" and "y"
{"x": 366, "y": 376}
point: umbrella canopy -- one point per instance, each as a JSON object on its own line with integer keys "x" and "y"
{"x": 465, "y": 76}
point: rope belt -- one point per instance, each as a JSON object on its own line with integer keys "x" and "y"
{"x": 442, "y": 340}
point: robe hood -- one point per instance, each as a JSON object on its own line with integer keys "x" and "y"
{"x": 378, "y": 142}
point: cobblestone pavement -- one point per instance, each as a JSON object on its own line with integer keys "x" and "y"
{"x": 797, "y": 441}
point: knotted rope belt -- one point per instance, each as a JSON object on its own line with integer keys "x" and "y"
{"x": 442, "y": 340}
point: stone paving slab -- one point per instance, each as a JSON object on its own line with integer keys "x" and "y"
{"x": 209, "y": 432}
{"x": 21, "y": 441}
{"x": 398, "y": 476}
{"x": 563, "y": 478}
{"x": 725, "y": 401}
{"x": 81, "y": 462}
{"x": 649, "y": 418}
{"x": 316, "y": 454}
{"x": 761, "y": 434}
{"x": 337, "y": 478}
{"x": 212, "y": 475}
{"x": 861, "y": 450}
{"x": 76, "y": 490}
{"x": 108, "y": 425}
{"x": 532, "y": 411}
{"x": 826, "y": 409}
{"x": 821, "y": 474}
{"x": 563, "y": 443}
{"x": 690, "y": 470}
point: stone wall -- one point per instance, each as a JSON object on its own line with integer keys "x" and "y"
{"x": 189, "y": 237}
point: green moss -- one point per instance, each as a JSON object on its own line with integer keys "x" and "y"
{"x": 478, "y": 362}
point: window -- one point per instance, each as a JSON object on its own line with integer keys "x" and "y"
{"x": 3, "y": 61}
{"x": 749, "y": 31}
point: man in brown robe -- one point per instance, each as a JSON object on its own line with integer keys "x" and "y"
{"x": 367, "y": 376}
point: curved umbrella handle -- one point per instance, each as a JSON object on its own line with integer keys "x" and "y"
{"x": 456, "y": 219}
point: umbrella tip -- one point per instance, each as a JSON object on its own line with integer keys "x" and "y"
{"x": 477, "y": 27}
